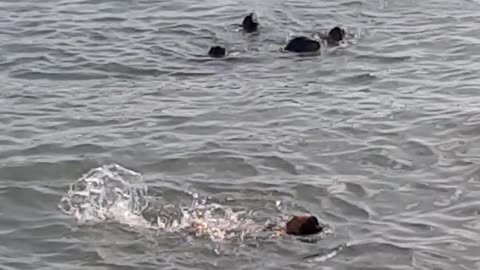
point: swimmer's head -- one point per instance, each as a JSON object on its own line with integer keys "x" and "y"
{"x": 250, "y": 23}
{"x": 217, "y": 52}
{"x": 336, "y": 34}
{"x": 303, "y": 225}
{"x": 302, "y": 44}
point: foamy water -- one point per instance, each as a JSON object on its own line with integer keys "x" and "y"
{"x": 114, "y": 194}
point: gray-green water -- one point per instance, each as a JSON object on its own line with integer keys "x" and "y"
{"x": 379, "y": 138}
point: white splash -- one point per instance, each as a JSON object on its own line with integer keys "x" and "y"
{"x": 107, "y": 193}
{"x": 112, "y": 193}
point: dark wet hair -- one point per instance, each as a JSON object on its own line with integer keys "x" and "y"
{"x": 303, "y": 225}
{"x": 250, "y": 23}
{"x": 302, "y": 44}
{"x": 336, "y": 34}
{"x": 217, "y": 52}
{"x": 310, "y": 226}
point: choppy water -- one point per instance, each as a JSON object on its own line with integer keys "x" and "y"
{"x": 379, "y": 137}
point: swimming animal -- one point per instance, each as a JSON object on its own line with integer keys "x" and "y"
{"x": 217, "y": 52}
{"x": 302, "y": 44}
{"x": 250, "y": 23}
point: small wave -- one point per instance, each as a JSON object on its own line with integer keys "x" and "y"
{"x": 61, "y": 76}
{"x": 325, "y": 255}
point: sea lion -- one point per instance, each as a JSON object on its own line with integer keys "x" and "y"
{"x": 297, "y": 225}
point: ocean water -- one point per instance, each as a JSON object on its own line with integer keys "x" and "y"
{"x": 378, "y": 137}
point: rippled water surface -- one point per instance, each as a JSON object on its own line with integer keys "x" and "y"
{"x": 380, "y": 137}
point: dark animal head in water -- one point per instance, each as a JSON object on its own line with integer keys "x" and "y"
{"x": 303, "y": 225}
{"x": 303, "y": 44}
{"x": 250, "y": 23}
{"x": 336, "y": 34}
{"x": 217, "y": 52}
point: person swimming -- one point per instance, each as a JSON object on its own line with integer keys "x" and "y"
{"x": 201, "y": 222}
{"x": 337, "y": 34}
{"x": 115, "y": 194}
{"x": 217, "y": 52}
{"x": 302, "y": 44}
{"x": 334, "y": 36}
{"x": 250, "y": 23}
